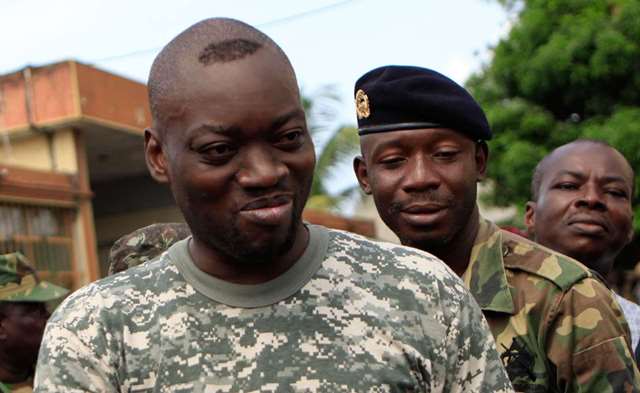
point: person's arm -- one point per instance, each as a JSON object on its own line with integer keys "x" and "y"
{"x": 587, "y": 342}
{"x": 74, "y": 354}
{"x": 473, "y": 363}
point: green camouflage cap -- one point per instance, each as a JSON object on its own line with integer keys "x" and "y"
{"x": 144, "y": 244}
{"x": 19, "y": 281}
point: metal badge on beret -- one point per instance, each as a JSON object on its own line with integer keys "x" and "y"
{"x": 362, "y": 105}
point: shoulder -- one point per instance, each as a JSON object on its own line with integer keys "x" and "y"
{"x": 520, "y": 254}
{"x": 128, "y": 289}
{"x": 392, "y": 271}
{"x": 387, "y": 256}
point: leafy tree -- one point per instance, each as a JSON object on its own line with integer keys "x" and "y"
{"x": 336, "y": 145}
{"x": 567, "y": 69}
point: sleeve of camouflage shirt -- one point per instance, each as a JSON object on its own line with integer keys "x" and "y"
{"x": 473, "y": 363}
{"x": 66, "y": 363}
{"x": 586, "y": 338}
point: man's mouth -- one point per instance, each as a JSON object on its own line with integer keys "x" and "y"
{"x": 423, "y": 214}
{"x": 268, "y": 211}
{"x": 588, "y": 226}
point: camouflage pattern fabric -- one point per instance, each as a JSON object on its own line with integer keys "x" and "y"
{"x": 372, "y": 317}
{"x": 558, "y": 329}
{"x": 144, "y": 244}
{"x": 19, "y": 281}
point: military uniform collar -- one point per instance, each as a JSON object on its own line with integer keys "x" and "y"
{"x": 485, "y": 276}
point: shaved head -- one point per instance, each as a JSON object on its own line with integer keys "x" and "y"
{"x": 540, "y": 169}
{"x": 582, "y": 203}
{"x": 208, "y": 43}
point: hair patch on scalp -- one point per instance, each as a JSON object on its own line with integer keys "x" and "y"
{"x": 228, "y": 50}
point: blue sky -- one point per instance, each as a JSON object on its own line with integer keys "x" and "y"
{"x": 328, "y": 41}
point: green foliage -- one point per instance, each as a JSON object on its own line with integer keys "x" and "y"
{"x": 335, "y": 148}
{"x": 567, "y": 69}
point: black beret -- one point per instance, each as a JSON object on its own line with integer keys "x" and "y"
{"x": 392, "y": 98}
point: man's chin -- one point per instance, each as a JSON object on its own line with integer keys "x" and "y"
{"x": 428, "y": 243}
{"x": 252, "y": 250}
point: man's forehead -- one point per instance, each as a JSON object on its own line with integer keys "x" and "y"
{"x": 239, "y": 83}
{"x": 577, "y": 159}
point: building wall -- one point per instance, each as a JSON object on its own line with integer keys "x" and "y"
{"x": 29, "y": 152}
{"x": 123, "y": 205}
{"x": 54, "y": 151}
{"x": 57, "y": 152}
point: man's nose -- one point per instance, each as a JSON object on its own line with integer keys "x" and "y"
{"x": 591, "y": 197}
{"x": 261, "y": 168}
{"x": 420, "y": 176}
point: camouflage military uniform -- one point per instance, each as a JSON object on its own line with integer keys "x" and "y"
{"x": 557, "y": 328}
{"x": 19, "y": 282}
{"x": 144, "y": 244}
{"x": 350, "y": 316}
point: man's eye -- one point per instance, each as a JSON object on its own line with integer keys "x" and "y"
{"x": 391, "y": 161}
{"x": 616, "y": 193}
{"x": 218, "y": 150}
{"x": 290, "y": 139}
{"x": 446, "y": 154}
{"x": 567, "y": 186}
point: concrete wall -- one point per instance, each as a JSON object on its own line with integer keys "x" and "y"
{"x": 55, "y": 151}
{"x": 123, "y": 205}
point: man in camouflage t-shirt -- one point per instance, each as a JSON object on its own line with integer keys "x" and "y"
{"x": 558, "y": 329}
{"x": 254, "y": 300}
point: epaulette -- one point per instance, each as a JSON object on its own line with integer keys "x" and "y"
{"x": 523, "y": 254}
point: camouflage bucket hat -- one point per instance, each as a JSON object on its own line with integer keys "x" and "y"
{"x": 145, "y": 244}
{"x": 19, "y": 281}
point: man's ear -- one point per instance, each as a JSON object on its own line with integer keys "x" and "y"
{"x": 482, "y": 157}
{"x": 155, "y": 156}
{"x": 360, "y": 168}
{"x": 530, "y": 219}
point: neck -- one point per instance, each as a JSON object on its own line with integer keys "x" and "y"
{"x": 601, "y": 264}
{"x": 457, "y": 251}
{"x": 230, "y": 269}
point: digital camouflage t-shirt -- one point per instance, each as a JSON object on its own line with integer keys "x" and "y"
{"x": 351, "y": 315}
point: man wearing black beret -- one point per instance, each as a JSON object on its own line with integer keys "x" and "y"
{"x": 423, "y": 151}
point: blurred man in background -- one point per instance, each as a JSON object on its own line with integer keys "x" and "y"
{"x": 580, "y": 206}
{"x": 145, "y": 244}
{"x": 23, "y": 315}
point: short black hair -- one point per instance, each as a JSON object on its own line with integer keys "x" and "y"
{"x": 228, "y": 50}
{"x": 208, "y": 42}
{"x": 539, "y": 171}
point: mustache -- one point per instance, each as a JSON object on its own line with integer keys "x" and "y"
{"x": 423, "y": 197}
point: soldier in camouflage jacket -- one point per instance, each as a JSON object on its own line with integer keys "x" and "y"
{"x": 557, "y": 328}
